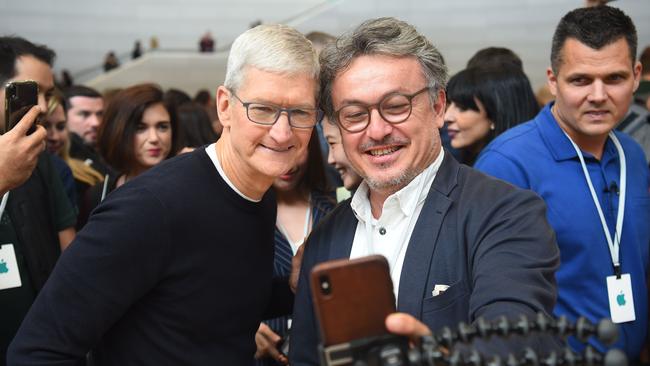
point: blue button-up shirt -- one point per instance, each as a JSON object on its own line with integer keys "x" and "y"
{"x": 538, "y": 156}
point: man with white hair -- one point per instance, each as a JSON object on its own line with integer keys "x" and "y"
{"x": 176, "y": 266}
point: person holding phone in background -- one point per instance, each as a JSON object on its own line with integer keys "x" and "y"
{"x": 36, "y": 217}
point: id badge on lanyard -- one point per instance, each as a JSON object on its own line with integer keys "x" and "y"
{"x": 619, "y": 286}
{"x": 9, "y": 274}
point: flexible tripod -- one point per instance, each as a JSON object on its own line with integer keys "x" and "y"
{"x": 441, "y": 348}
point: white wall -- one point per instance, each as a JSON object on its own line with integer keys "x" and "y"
{"x": 461, "y": 27}
{"x": 81, "y": 31}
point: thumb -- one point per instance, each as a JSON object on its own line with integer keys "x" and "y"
{"x": 406, "y": 325}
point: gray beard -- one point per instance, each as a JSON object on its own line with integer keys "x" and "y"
{"x": 393, "y": 184}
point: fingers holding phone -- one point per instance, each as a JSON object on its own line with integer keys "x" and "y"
{"x": 406, "y": 325}
{"x": 19, "y": 152}
{"x": 28, "y": 133}
{"x": 20, "y": 97}
{"x": 267, "y": 344}
{"x": 28, "y": 124}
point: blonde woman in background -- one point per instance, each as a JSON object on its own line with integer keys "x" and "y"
{"x": 58, "y": 143}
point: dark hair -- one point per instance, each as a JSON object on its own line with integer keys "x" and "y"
{"x": 504, "y": 92}
{"x": 176, "y": 97}
{"x": 194, "y": 126}
{"x": 494, "y": 57}
{"x": 644, "y": 58}
{"x": 120, "y": 122}
{"x": 203, "y": 97}
{"x": 381, "y": 36}
{"x": 314, "y": 178}
{"x": 595, "y": 27}
{"x": 78, "y": 91}
{"x": 11, "y": 48}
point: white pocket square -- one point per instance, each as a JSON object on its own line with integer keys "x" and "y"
{"x": 439, "y": 289}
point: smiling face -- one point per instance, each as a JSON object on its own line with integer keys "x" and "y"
{"x": 254, "y": 153}
{"x": 153, "y": 137}
{"x": 57, "y": 132}
{"x": 337, "y": 158}
{"x": 467, "y": 128}
{"x": 388, "y": 156}
{"x": 593, "y": 90}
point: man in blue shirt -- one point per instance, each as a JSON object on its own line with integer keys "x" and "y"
{"x": 594, "y": 180}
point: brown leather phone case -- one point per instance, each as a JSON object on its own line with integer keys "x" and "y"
{"x": 352, "y": 298}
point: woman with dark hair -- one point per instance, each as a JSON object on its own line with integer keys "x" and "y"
{"x": 139, "y": 130}
{"x": 195, "y": 126}
{"x": 484, "y": 102}
{"x": 204, "y": 99}
{"x": 303, "y": 198}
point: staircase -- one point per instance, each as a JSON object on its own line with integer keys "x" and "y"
{"x": 189, "y": 71}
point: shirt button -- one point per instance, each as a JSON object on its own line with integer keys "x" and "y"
{"x": 382, "y": 231}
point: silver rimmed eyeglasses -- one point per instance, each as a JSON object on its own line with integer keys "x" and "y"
{"x": 267, "y": 114}
{"x": 393, "y": 108}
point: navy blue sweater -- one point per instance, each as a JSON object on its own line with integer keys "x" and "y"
{"x": 173, "y": 268}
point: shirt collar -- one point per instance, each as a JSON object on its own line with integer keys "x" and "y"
{"x": 553, "y": 135}
{"x": 211, "y": 150}
{"x": 406, "y": 199}
{"x": 557, "y": 141}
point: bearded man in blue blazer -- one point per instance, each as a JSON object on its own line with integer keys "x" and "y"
{"x": 460, "y": 245}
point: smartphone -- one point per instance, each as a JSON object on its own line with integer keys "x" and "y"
{"x": 352, "y": 298}
{"x": 20, "y": 97}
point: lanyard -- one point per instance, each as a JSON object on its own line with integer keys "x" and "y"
{"x": 5, "y": 197}
{"x": 614, "y": 245}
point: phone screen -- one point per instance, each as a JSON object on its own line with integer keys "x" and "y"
{"x": 20, "y": 97}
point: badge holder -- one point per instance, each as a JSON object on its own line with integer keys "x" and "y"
{"x": 9, "y": 274}
{"x": 619, "y": 293}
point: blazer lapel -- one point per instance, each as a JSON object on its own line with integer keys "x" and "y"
{"x": 343, "y": 235}
{"x": 417, "y": 261}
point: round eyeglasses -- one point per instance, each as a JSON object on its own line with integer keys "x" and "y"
{"x": 393, "y": 108}
{"x": 267, "y": 114}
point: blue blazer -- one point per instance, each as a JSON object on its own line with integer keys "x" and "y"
{"x": 489, "y": 241}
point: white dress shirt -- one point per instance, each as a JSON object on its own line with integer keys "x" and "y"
{"x": 389, "y": 234}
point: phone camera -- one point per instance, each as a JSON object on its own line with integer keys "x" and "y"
{"x": 325, "y": 285}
